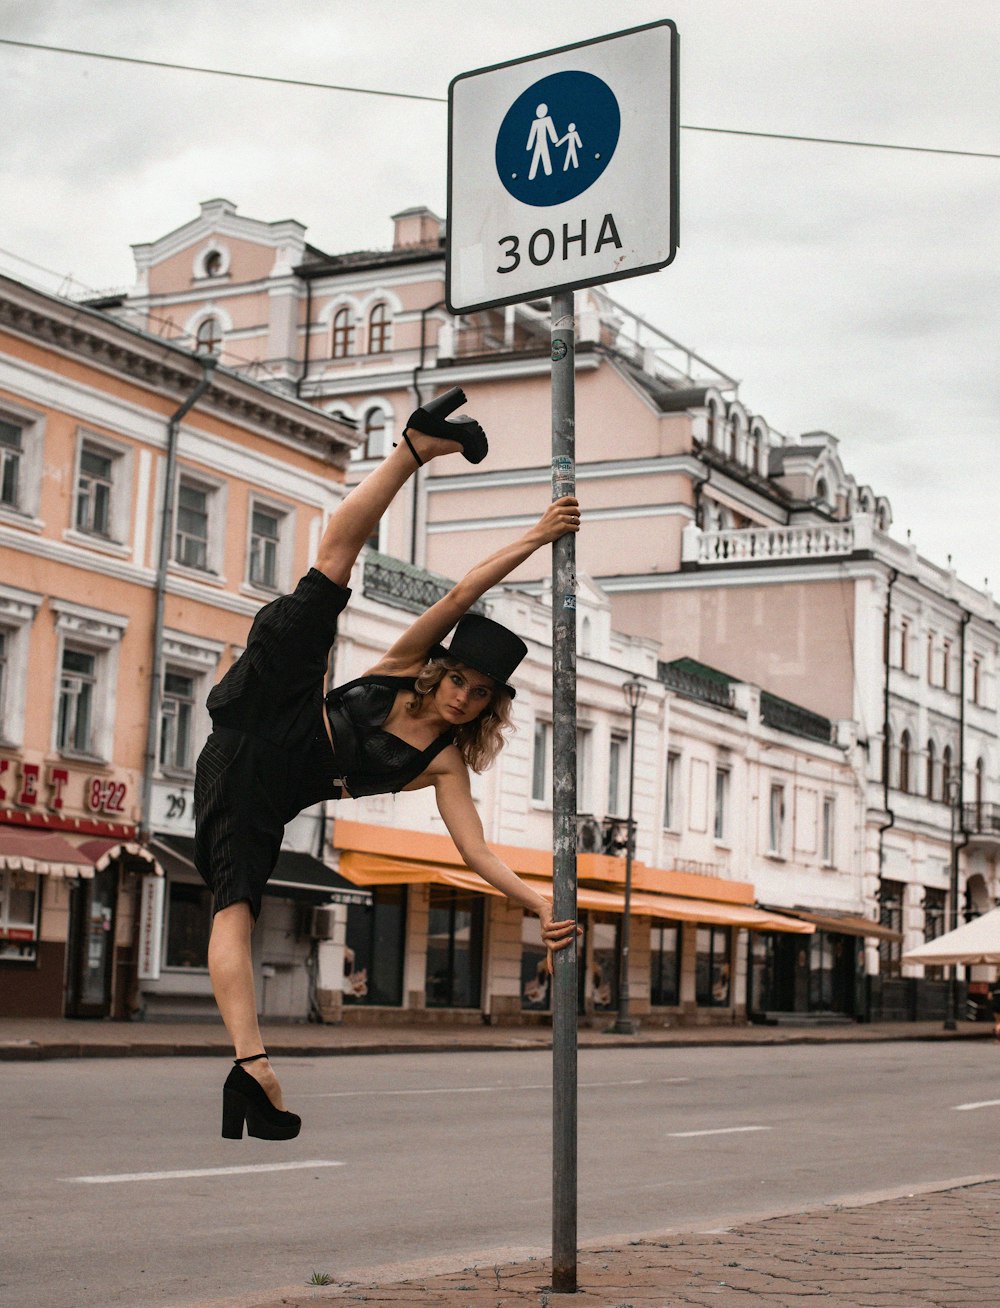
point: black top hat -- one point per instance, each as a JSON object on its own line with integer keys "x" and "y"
{"x": 486, "y": 646}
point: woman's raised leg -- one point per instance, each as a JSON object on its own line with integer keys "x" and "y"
{"x": 357, "y": 515}
{"x": 230, "y": 965}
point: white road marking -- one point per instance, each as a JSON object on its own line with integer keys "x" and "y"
{"x": 482, "y": 1089}
{"x": 983, "y": 1103}
{"x": 719, "y": 1130}
{"x": 202, "y": 1171}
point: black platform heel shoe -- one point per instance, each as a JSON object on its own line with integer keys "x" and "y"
{"x": 432, "y": 419}
{"x": 245, "y": 1100}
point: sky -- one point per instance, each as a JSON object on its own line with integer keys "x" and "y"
{"x": 850, "y": 290}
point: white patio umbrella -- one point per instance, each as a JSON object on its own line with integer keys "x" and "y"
{"x": 977, "y": 941}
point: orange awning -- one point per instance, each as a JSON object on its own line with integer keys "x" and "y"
{"x": 366, "y": 869}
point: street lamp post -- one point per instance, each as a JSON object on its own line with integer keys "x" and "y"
{"x": 634, "y": 691}
{"x": 951, "y": 1012}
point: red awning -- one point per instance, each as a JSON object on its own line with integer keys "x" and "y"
{"x": 46, "y": 852}
{"x": 103, "y": 850}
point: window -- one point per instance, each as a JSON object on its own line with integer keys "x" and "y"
{"x": 946, "y": 774}
{"x": 191, "y": 537}
{"x": 976, "y": 689}
{"x": 665, "y": 964}
{"x": 374, "y": 446}
{"x": 11, "y": 454}
{"x": 671, "y": 795}
{"x": 208, "y": 337}
{"x": 931, "y": 642}
{"x": 540, "y": 763}
{"x": 373, "y": 959}
{"x": 905, "y": 759}
{"x": 177, "y": 721}
{"x": 890, "y": 952}
{"x": 5, "y": 651}
{"x": 615, "y": 756}
{"x": 829, "y": 833}
{"x": 189, "y": 924}
{"x": 83, "y": 722}
{"x": 776, "y": 822}
{"x": 264, "y": 537}
{"x": 19, "y": 901}
{"x": 935, "y": 905}
{"x": 536, "y": 984}
{"x": 17, "y": 612}
{"x": 343, "y": 333}
{"x": 454, "y": 948}
{"x": 93, "y": 492}
{"x": 77, "y": 682}
{"x": 945, "y": 665}
{"x": 583, "y": 770}
{"x": 931, "y": 770}
{"x": 212, "y": 264}
{"x": 721, "y": 827}
{"x": 980, "y": 792}
{"x": 378, "y": 329}
{"x": 904, "y": 644}
{"x": 713, "y": 967}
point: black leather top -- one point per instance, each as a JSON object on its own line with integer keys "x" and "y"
{"x": 373, "y": 761}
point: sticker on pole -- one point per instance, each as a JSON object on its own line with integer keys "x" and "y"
{"x": 562, "y": 169}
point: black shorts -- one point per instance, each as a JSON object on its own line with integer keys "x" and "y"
{"x": 268, "y": 756}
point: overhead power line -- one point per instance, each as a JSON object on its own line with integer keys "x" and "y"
{"x": 437, "y": 99}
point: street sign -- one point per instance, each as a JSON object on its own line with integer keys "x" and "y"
{"x": 562, "y": 169}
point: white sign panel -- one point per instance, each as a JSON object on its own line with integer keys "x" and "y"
{"x": 562, "y": 169}
{"x": 150, "y": 928}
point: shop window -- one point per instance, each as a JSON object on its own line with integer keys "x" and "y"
{"x": 378, "y": 329}
{"x": 454, "y": 948}
{"x": 373, "y": 958}
{"x": 665, "y": 964}
{"x": 343, "y": 333}
{"x": 713, "y": 967}
{"x": 671, "y": 795}
{"x": 19, "y": 900}
{"x": 536, "y": 984}
{"x": 541, "y": 754}
{"x": 602, "y": 972}
{"x": 890, "y": 952}
{"x": 935, "y": 907}
{"x": 177, "y": 712}
{"x": 189, "y": 924}
{"x": 721, "y": 824}
{"x": 265, "y": 553}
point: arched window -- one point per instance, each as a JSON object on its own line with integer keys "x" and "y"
{"x": 378, "y": 329}
{"x": 905, "y": 753}
{"x": 208, "y": 337}
{"x": 374, "y": 446}
{"x": 585, "y": 637}
{"x": 946, "y": 777}
{"x": 823, "y": 490}
{"x": 343, "y": 333}
{"x": 887, "y": 756}
{"x": 212, "y": 263}
{"x": 980, "y": 792}
{"x": 931, "y": 768}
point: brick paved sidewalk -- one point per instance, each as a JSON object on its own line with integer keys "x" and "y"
{"x": 935, "y": 1248}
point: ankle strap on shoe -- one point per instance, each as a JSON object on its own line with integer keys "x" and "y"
{"x": 409, "y": 446}
{"x": 251, "y": 1059}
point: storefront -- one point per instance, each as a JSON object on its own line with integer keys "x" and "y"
{"x": 440, "y": 940}
{"x": 821, "y": 975}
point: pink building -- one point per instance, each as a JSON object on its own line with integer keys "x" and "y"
{"x": 721, "y": 540}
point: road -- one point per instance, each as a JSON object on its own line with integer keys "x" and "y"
{"x": 111, "y": 1192}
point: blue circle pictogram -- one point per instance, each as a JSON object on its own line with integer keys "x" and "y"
{"x": 557, "y": 138}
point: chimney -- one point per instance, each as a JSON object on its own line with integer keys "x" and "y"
{"x": 417, "y": 228}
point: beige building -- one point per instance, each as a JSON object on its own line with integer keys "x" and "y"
{"x": 120, "y": 452}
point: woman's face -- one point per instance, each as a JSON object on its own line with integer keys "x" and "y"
{"x": 462, "y": 694}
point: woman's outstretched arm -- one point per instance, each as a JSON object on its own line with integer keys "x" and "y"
{"x": 456, "y": 806}
{"x": 410, "y": 651}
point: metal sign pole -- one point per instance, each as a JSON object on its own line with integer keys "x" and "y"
{"x": 564, "y": 981}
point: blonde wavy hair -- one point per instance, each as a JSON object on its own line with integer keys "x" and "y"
{"x": 482, "y": 739}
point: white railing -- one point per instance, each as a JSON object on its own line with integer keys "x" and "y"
{"x": 808, "y": 541}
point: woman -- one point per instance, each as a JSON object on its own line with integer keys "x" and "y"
{"x": 422, "y": 716}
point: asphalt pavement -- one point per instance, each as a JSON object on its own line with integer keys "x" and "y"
{"x": 933, "y": 1244}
